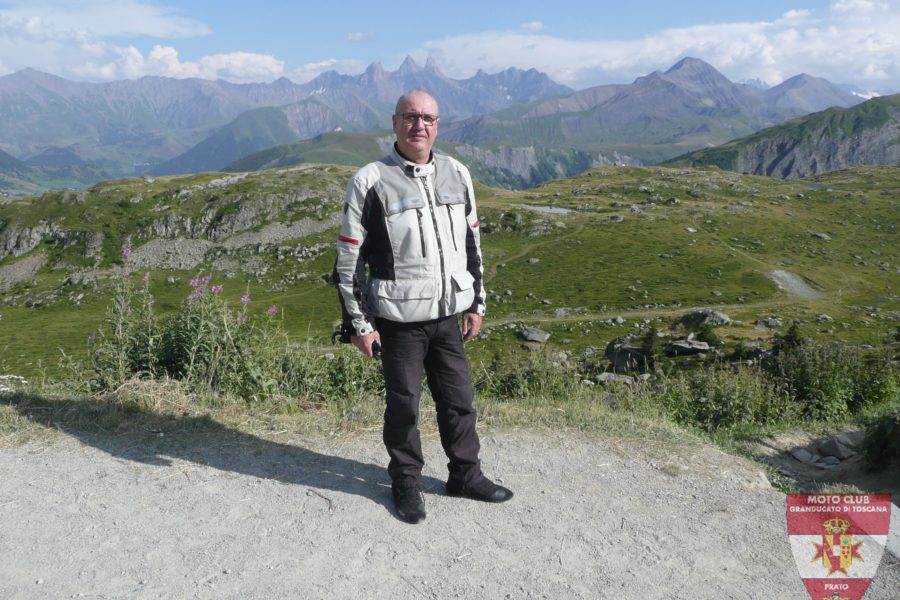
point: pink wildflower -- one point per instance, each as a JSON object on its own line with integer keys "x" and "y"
{"x": 194, "y": 282}
{"x": 215, "y": 289}
{"x": 146, "y": 278}
{"x": 245, "y": 299}
{"x": 273, "y": 310}
{"x": 126, "y": 248}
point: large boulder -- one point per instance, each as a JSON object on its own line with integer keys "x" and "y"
{"x": 686, "y": 347}
{"x": 533, "y": 334}
{"x": 625, "y": 355}
{"x": 693, "y": 321}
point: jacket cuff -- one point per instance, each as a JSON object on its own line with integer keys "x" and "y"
{"x": 362, "y": 327}
{"x": 477, "y": 308}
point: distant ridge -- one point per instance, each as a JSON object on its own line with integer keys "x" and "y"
{"x": 127, "y": 127}
{"x": 837, "y": 138}
{"x": 658, "y": 116}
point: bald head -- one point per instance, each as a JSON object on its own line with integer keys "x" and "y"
{"x": 403, "y": 101}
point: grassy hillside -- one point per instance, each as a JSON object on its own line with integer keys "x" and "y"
{"x": 832, "y": 126}
{"x": 339, "y": 148}
{"x": 644, "y": 244}
{"x": 501, "y": 166}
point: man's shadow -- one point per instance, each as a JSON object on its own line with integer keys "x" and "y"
{"x": 154, "y": 438}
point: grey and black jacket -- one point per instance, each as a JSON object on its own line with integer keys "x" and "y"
{"x": 409, "y": 248}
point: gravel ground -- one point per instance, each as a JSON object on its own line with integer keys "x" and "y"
{"x": 226, "y": 514}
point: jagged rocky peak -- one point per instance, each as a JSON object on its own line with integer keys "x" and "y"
{"x": 431, "y": 65}
{"x": 375, "y": 69}
{"x": 408, "y": 66}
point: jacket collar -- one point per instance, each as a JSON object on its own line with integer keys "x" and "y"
{"x": 413, "y": 169}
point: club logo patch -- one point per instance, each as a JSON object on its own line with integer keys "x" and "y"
{"x": 837, "y": 541}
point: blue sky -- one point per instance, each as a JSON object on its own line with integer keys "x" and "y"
{"x": 579, "y": 44}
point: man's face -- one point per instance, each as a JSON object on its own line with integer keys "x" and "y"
{"x": 415, "y": 139}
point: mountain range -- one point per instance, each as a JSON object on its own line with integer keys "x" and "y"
{"x": 129, "y": 127}
{"x": 69, "y": 133}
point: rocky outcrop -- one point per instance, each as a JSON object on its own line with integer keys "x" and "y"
{"x": 820, "y": 151}
{"x": 519, "y": 167}
{"x": 837, "y": 138}
{"x": 21, "y": 270}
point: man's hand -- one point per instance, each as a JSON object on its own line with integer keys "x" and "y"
{"x": 364, "y": 343}
{"x": 471, "y": 325}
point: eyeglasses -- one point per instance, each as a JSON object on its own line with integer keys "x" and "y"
{"x": 411, "y": 118}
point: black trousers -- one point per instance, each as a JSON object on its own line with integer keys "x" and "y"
{"x": 437, "y": 348}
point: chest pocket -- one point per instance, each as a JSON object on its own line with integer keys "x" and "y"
{"x": 454, "y": 202}
{"x": 403, "y": 214}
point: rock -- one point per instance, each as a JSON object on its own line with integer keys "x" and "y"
{"x": 850, "y": 439}
{"x": 828, "y": 461}
{"x": 804, "y": 455}
{"x": 770, "y": 323}
{"x": 822, "y": 236}
{"x": 685, "y": 347}
{"x": 672, "y": 201}
{"x": 823, "y": 318}
{"x": 533, "y": 334}
{"x": 831, "y": 447}
{"x": 625, "y": 356}
{"x": 615, "y": 378}
{"x": 690, "y": 230}
{"x": 532, "y": 261}
{"x": 716, "y": 293}
{"x": 618, "y": 320}
{"x": 562, "y": 312}
{"x": 545, "y": 301}
{"x": 696, "y": 319}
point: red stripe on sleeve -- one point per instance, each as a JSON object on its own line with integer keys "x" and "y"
{"x": 476, "y": 224}
{"x": 349, "y": 240}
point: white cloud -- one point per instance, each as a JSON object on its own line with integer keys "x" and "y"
{"x": 850, "y": 41}
{"x": 532, "y": 26}
{"x": 106, "y": 18}
{"x": 359, "y": 36}
{"x": 309, "y": 71}
{"x": 239, "y": 67}
{"x": 858, "y": 6}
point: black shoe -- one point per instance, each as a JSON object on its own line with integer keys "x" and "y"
{"x": 409, "y": 502}
{"x": 481, "y": 489}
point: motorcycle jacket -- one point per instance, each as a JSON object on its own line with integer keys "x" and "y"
{"x": 409, "y": 248}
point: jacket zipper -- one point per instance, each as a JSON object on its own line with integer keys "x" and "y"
{"x": 452, "y": 233}
{"x": 421, "y": 231}
{"x": 441, "y": 304}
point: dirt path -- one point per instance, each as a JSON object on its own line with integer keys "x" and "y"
{"x": 231, "y": 515}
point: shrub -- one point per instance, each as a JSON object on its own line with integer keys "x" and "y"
{"x": 539, "y": 377}
{"x": 830, "y": 380}
{"x": 652, "y": 348}
{"x": 714, "y": 398}
{"x": 127, "y": 343}
{"x": 707, "y": 333}
{"x": 882, "y": 442}
{"x": 214, "y": 347}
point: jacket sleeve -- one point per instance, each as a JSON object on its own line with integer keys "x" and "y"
{"x": 350, "y": 266}
{"x": 474, "y": 263}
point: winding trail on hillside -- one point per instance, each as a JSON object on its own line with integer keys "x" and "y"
{"x": 220, "y": 513}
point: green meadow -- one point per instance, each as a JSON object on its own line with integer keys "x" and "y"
{"x": 643, "y": 244}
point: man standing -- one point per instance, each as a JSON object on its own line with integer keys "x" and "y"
{"x": 408, "y": 261}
